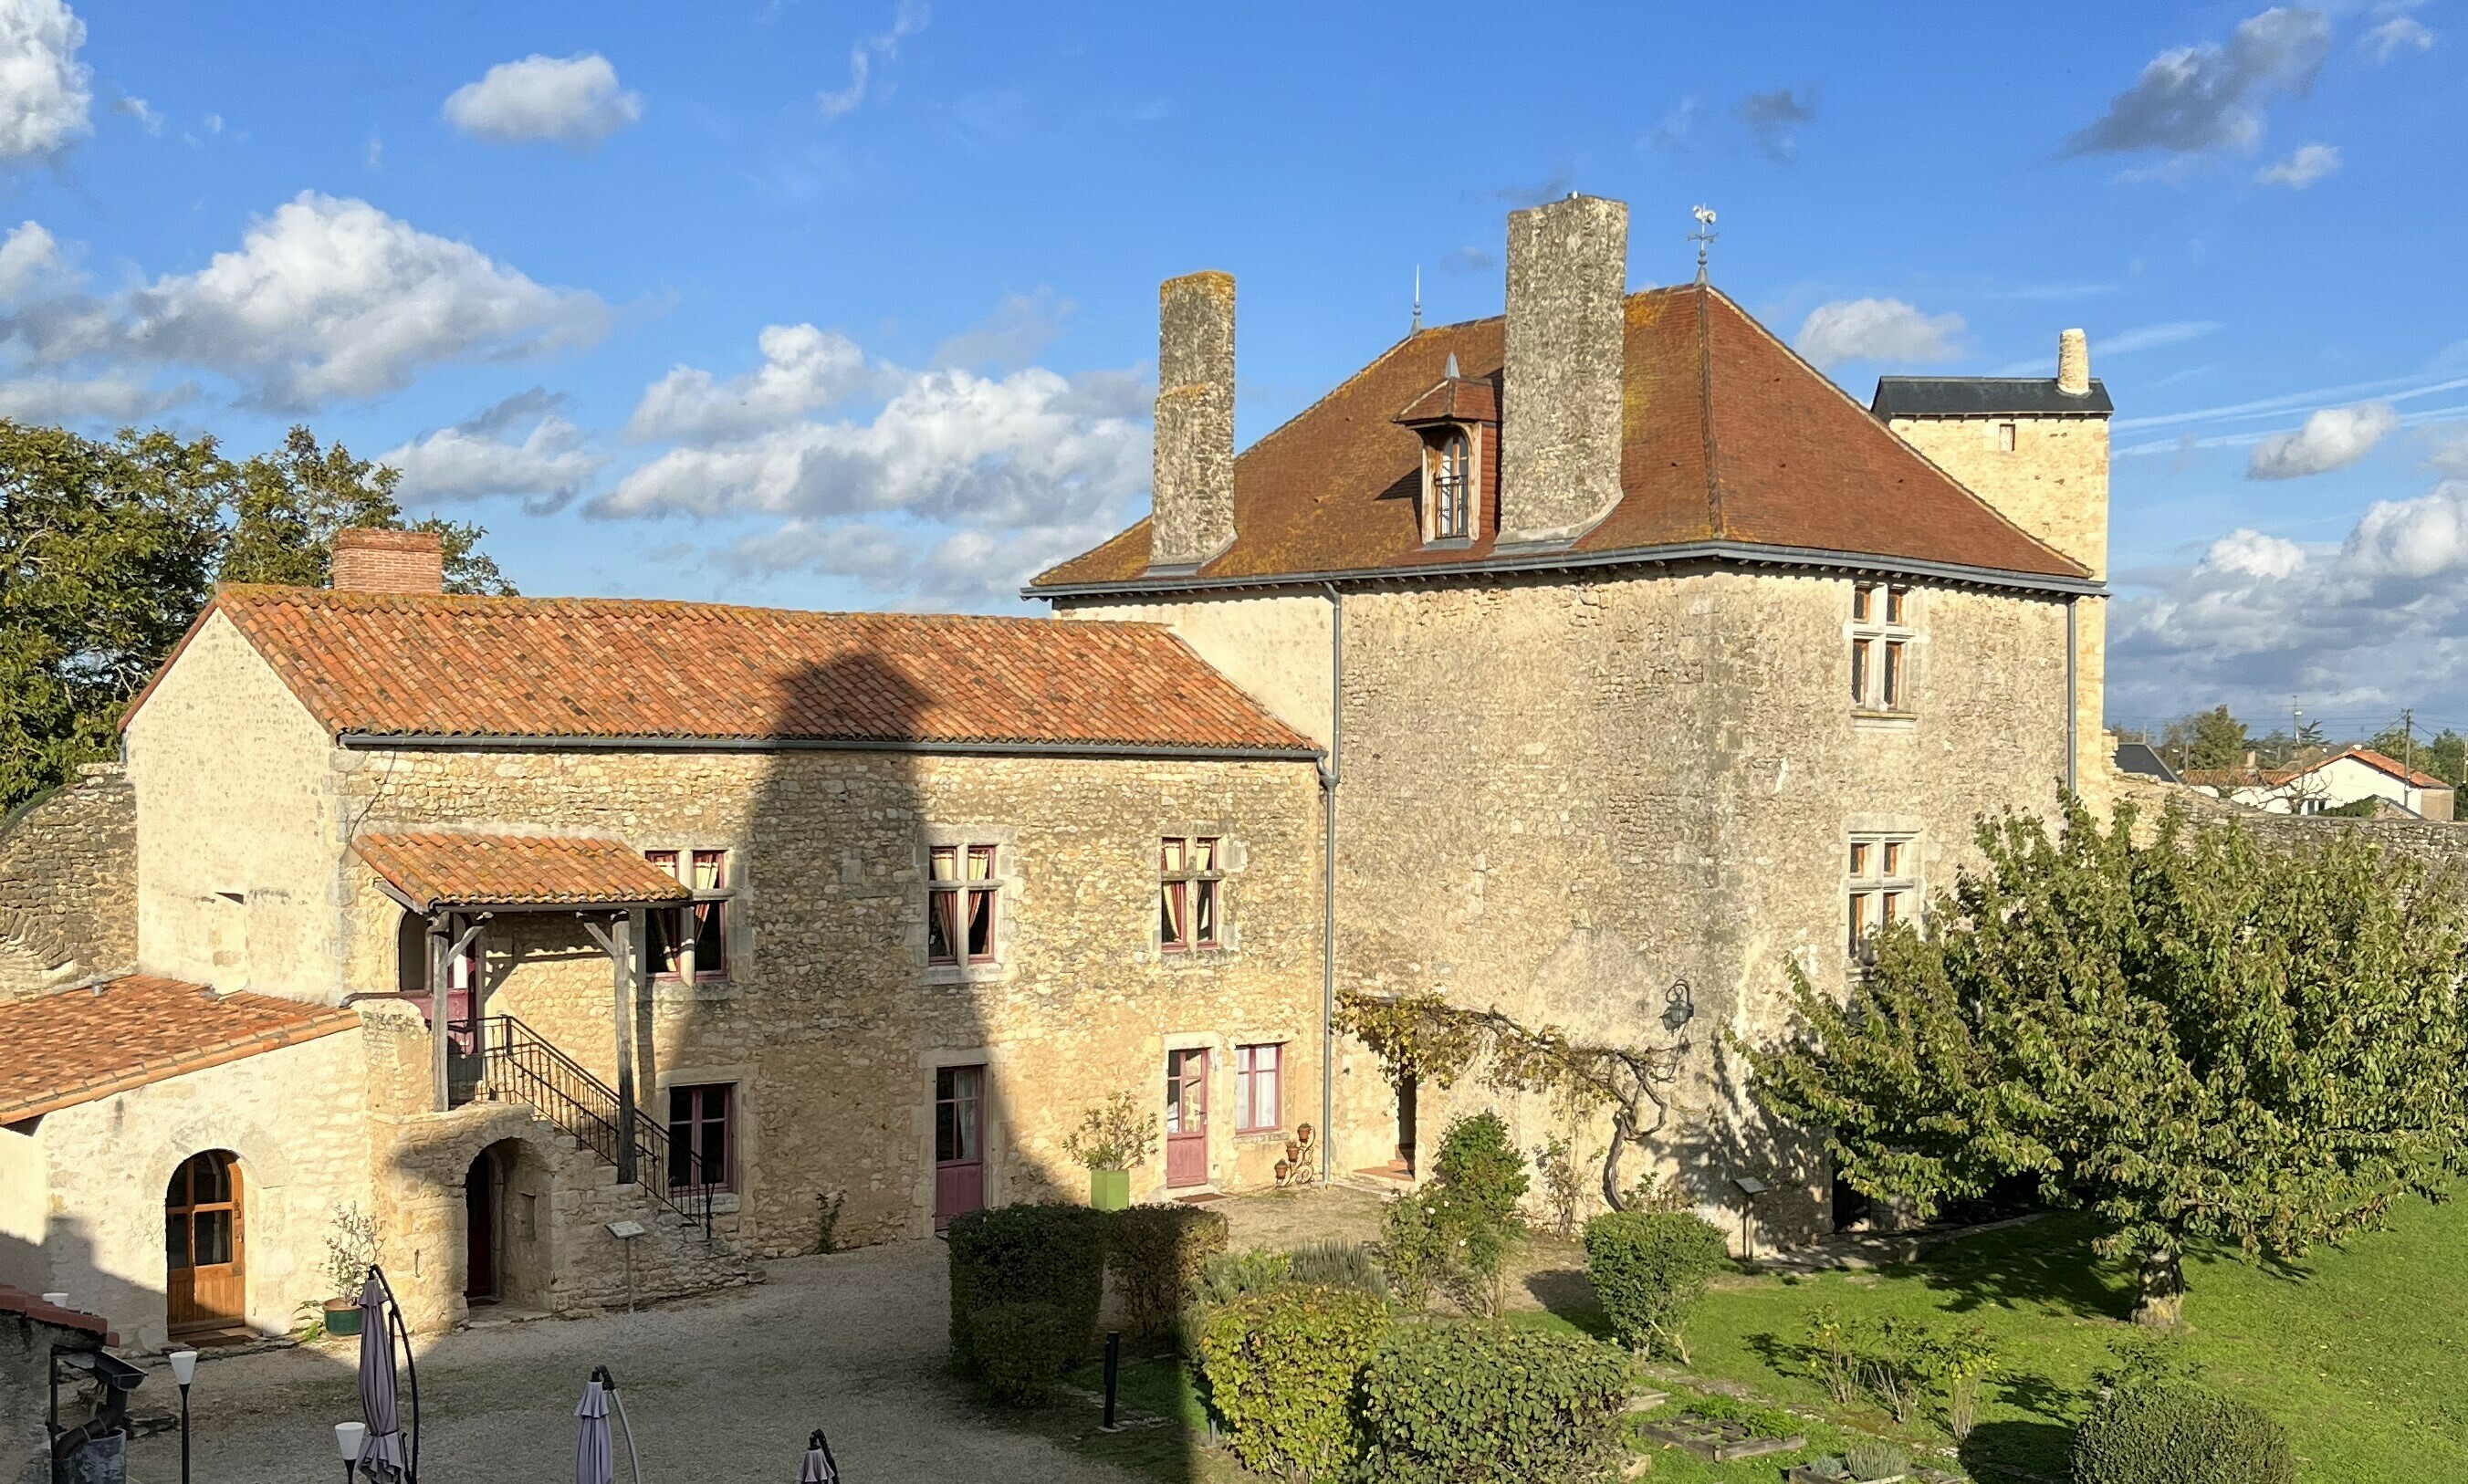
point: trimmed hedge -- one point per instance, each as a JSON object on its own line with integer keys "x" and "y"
{"x": 1648, "y": 1268}
{"x": 1157, "y": 1253}
{"x": 2176, "y": 1433}
{"x": 1484, "y": 1404}
{"x": 1282, "y": 1367}
{"x": 1052, "y": 1253}
{"x": 1019, "y": 1350}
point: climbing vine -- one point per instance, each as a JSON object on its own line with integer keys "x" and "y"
{"x": 1423, "y": 1037}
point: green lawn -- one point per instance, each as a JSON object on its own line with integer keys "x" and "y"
{"x": 2362, "y": 1352}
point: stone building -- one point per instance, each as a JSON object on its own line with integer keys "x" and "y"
{"x": 849, "y": 918}
{"x": 1648, "y": 662}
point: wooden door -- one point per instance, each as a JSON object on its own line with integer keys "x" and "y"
{"x": 1186, "y": 1118}
{"x": 959, "y": 1142}
{"x": 205, "y": 1243}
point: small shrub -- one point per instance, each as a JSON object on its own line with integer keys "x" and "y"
{"x": 1650, "y": 1268}
{"x": 1019, "y": 1350}
{"x": 1829, "y": 1353}
{"x": 1483, "y": 1404}
{"x": 1892, "y": 1357}
{"x": 1337, "y": 1265}
{"x": 351, "y": 1251}
{"x": 1480, "y": 1169}
{"x": 1157, "y": 1254}
{"x": 1229, "y": 1275}
{"x": 1282, "y": 1367}
{"x": 1119, "y": 1133}
{"x": 1416, "y": 1252}
{"x": 1563, "y": 1184}
{"x": 1763, "y": 1419}
{"x": 1052, "y": 1253}
{"x": 1957, "y": 1363}
{"x": 2173, "y": 1432}
{"x": 1875, "y": 1461}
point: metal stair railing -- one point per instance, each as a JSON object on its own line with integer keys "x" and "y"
{"x": 527, "y": 1067}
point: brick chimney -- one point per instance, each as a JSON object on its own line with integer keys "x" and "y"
{"x": 1560, "y": 414}
{"x": 388, "y": 562}
{"x": 2073, "y": 363}
{"x": 1192, "y": 516}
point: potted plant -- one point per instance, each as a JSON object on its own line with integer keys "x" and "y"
{"x": 1114, "y": 1138}
{"x": 351, "y": 1251}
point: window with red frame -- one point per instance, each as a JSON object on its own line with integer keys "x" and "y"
{"x": 961, "y": 899}
{"x": 1259, "y": 1104}
{"x": 691, "y": 942}
{"x": 700, "y": 1136}
{"x": 1191, "y": 886}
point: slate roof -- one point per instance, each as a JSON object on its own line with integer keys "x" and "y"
{"x": 546, "y": 669}
{"x": 438, "y": 870}
{"x": 74, "y": 1047}
{"x": 2142, "y": 759}
{"x": 1984, "y": 397}
{"x": 1730, "y": 438}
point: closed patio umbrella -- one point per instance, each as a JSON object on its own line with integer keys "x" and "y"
{"x": 818, "y": 1468}
{"x": 594, "y": 1456}
{"x": 381, "y": 1455}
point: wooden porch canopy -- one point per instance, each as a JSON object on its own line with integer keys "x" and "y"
{"x": 444, "y": 877}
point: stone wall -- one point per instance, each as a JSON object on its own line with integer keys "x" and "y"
{"x": 831, "y": 1025}
{"x": 26, "y": 1340}
{"x": 68, "y": 884}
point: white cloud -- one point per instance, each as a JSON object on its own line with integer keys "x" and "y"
{"x": 2333, "y": 438}
{"x": 2308, "y": 164}
{"x": 2192, "y": 100}
{"x": 2377, "y": 620}
{"x": 548, "y": 464}
{"x": 107, "y": 398}
{"x": 327, "y": 299}
{"x": 910, "y": 19}
{"x": 569, "y": 101}
{"x": 2451, "y": 450}
{"x": 952, "y": 487}
{"x": 1877, "y": 329}
{"x": 46, "y": 94}
{"x": 30, "y": 258}
{"x": 804, "y": 369}
{"x": 2150, "y": 337}
{"x": 2399, "y": 35}
{"x": 1019, "y": 329}
{"x": 142, "y": 111}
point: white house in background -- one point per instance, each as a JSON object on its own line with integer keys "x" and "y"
{"x": 2317, "y": 787}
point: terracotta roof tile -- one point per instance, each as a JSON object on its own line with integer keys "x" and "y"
{"x": 514, "y": 870}
{"x": 17, "y": 1301}
{"x": 74, "y": 1047}
{"x": 2414, "y": 778}
{"x": 402, "y": 663}
{"x": 1729, "y": 437}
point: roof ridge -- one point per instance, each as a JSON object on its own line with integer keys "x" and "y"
{"x": 256, "y": 594}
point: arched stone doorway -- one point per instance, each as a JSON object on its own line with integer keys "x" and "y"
{"x": 205, "y": 1240}
{"x": 505, "y": 1249}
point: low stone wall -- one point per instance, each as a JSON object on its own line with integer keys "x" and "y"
{"x": 68, "y": 885}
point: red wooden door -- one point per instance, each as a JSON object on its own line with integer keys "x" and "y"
{"x": 1186, "y": 1118}
{"x": 205, "y": 1247}
{"x": 959, "y": 1142}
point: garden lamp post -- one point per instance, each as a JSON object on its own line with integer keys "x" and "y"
{"x": 347, "y": 1438}
{"x": 184, "y": 1370}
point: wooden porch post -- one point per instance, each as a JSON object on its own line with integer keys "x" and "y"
{"x": 440, "y": 1007}
{"x": 625, "y": 937}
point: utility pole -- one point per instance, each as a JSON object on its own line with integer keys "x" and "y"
{"x": 2408, "y": 743}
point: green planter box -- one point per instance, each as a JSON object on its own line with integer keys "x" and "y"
{"x": 1110, "y": 1189}
{"x": 343, "y": 1321}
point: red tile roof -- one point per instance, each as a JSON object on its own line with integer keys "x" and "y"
{"x": 2414, "y": 778}
{"x": 1730, "y": 438}
{"x": 514, "y": 870}
{"x": 402, "y": 663}
{"x": 17, "y": 1301}
{"x": 74, "y": 1047}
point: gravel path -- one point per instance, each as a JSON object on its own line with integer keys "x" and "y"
{"x": 718, "y": 1390}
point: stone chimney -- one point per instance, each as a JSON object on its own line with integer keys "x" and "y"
{"x": 2073, "y": 363}
{"x": 388, "y": 562}
{"x": 1192, "y": 517}
{"x": 1559, "y": 413}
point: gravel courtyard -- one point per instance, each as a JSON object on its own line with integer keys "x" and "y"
{"x": 718, "y": 1390}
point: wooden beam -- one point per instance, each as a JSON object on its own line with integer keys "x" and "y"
{"x": 439, "y": 1004}
{"x": 623, "y": 944}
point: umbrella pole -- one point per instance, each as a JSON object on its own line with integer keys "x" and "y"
{"x": 397, "y": 1329}
{"x": 633, "y": 1461}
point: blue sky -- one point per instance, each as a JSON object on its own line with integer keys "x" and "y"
{"x": 853, "y": 304}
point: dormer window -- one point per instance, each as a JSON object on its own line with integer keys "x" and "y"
{"x": 1451, "y": 486}
{"x": 1458, "y": 421}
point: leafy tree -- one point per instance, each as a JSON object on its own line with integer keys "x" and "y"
{"x": 2445, "y": 755}
{"x": 109, "y": 549}
{"x": 2205, "y": 739}
{"x": 2194, "y": 1037}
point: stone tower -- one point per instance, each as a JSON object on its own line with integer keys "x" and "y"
{"x": 2037, "y": 450}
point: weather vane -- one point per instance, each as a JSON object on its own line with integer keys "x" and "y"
{"x": 1703, "y": 236}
